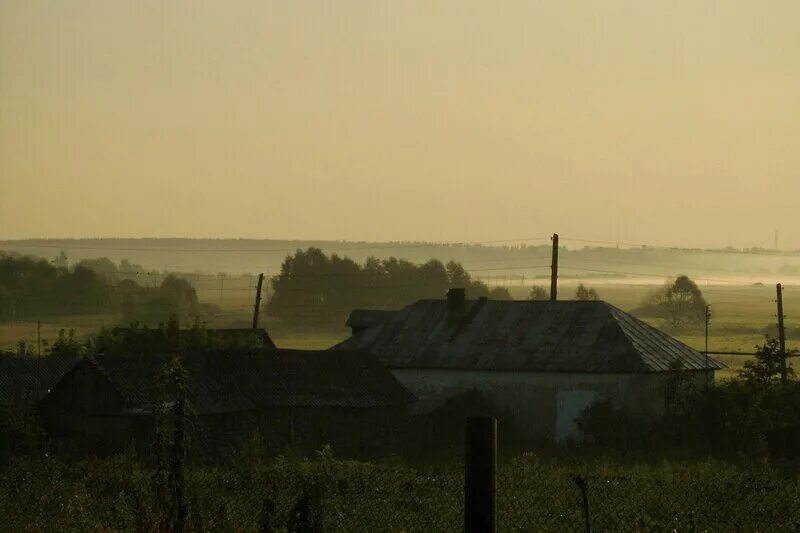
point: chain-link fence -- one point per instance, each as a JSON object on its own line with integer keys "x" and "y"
{"x": 326, "y": 494}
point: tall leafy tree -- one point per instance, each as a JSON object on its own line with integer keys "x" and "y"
{"x": 679, "y": 302}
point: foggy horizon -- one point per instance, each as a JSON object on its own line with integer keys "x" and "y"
{"x": 570, "y": 242}
{"x": 672, "y": 125}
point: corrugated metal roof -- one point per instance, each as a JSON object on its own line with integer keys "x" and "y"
{"x": 542, "y": 336}
{"x": 248, "y": 380}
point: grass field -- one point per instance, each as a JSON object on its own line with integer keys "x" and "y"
{"x": 84, "y": 326}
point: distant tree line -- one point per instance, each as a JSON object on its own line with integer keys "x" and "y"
{"x": 315, "y": 288}
{"x": 32, "y": 288}
{"x": 582, "y": 292}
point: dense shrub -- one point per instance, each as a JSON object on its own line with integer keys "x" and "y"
{"x": 732, "y": 417}
{"x": 169, "y": 337}
{"x": 440, "y": 433}
{"x": 151, "y": 305}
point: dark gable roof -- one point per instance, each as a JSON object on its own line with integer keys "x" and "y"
{"x": 22, "y": 375}
{"x": 364, "y": 318}
{"x": 249, "y": 380}
{"x": 135, "y": 377}
{"x": 316, "y": 378}
{"x": 541, "y": 336}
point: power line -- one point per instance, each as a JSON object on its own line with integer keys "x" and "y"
{"x": 269, "y": 250}
{"x": 749, "y": 301}
{"x": 645, "y": 246}
{"x": 650, "y": 275}
{"x": 687, "y": 268}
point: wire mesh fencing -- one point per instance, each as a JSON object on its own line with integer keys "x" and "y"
{"x": 334, "y": 495}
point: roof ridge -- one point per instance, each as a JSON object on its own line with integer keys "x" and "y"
{"x": 100, "y": 368}
{"x": 611, "y": 311}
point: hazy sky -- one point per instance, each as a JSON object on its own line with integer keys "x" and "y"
{"x": 675, "y": 121}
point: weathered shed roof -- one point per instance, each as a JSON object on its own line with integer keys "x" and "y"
{"x": 23, "y": 375}
{"x": 364, "y": 318}
{"x": 541, "y": 336}
{"x": 311, "y": 378}
{"x": 247, "y": 380}
{"x": 135, "y": 378}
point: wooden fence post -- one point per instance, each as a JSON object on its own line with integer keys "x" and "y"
{"x": 587, "y": 521}
{"x": 480, "y": 468}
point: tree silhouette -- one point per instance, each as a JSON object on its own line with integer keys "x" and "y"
{"x": 538, "y": 293}
{"x": 586, "y": 293}
{"x": 680, "y": 303}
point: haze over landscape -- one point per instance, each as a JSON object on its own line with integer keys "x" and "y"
{"x": 413, "y": 266}
{"x": 672, "y": 124}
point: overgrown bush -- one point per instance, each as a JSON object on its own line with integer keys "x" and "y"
{"x": 440, "y": 433}
{"x": 732, "y": 417}
{"x": 169, "y": 337}
{"x": 20, "y": 432}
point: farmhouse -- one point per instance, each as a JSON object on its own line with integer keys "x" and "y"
{"x": 303, "y": 399}
{"x": 542, "y": 361}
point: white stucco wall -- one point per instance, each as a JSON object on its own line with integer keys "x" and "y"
{"x": 531, "y": 397}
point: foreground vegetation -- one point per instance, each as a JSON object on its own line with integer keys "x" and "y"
{"x": 248, "y": 491}
{"x": 250, "y": 494}
{"x": 619, "y": 473}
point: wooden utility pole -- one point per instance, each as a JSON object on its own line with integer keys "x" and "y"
{"x": 554, "y": 270}
{"x": 782, "y": 335}
{"x": 39, "y": 351}
{"x": 257, "y": 307}
{"x": 480, "y": 480}
{"x": 708, "y": 320}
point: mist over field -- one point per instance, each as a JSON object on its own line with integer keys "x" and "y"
{"x": 530, "y": 258}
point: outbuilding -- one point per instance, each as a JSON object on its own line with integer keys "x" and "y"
{"x": 297, "y": 399}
